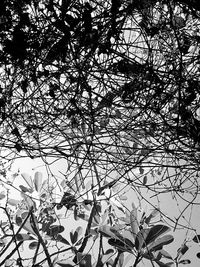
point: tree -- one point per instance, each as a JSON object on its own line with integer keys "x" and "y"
{"x": 112, "y": 87}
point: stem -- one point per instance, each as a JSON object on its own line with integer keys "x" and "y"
{"x": 137, "y": 260}
{"x": 117, "y": 258}
{"x": 36, "y": 253}
{"x": 11, "y": 253}
{"x": 87, "y": 232}
{"x": 21, "y": 226}
{"x": 99, "y": 262}
{"x": 41, "y": 240}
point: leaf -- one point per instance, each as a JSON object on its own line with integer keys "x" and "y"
{"x": 128, "y": 235}
{"x": 66, "y": 263}
{"x": 18, "y": 147}
{"x": 134, "y": 221}
{"x": 18, "y": 220}
{"x": 96, "y": 220}
{"x": 185, "y": 261}
{"x": 114, "y": 234}
{"x": 153, "y": 214}
{"x": 9, "y": 263}
{"x": 2, "y": 242}
{"x": 13, "y": 202}
{"x": 160, "y": 242}
{"x": 33, "y": 245}
{"x": 127, "y": 259}
{"x": 165, "y": 254}
{"x": 109, "y": 251}
{"x": 28, "y": 200}
{"x": 119, "y": 245}
{"x": 23, "y": 237}
{"x": 141, "y": 170}
{"x": 16, "y": 132}
{"x": 123, "y": 197}
{"x": 156, "y": 231}
{"x": 196, "y": 239}
{"x": 161, "y": 264}
{"x": 54, "y": 230}
{"x": 121, "y": 260}
{"x": 79, "y": 230}
{"x": 178, "y": 22}
{"x": 81, "y": 216}
{"x": 38, "y": 181}
{"x": 28, "y": 225}
{"x": 84, "y": 260}
{"x": 25, "y": 189}
{"x": 198, "y": 255}
{"x": 78, "y": 181}
{"x": 105, "y": 231}
{"x": 108, "y": 254}
{"x": 27, "y": 179}
{"x": 118, "y": 114}
{"x": 46, "y": 223}
{"x": 2, "y": 195}
{"x": 73, "y": 237}
{"x": 140, "y": 239}
{"x": 60, "y": 238}
{"x": 182, "y": 250}
{"x": 144, "y": 180}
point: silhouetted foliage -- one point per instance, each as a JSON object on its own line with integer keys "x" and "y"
{"x": 112, "y": 87}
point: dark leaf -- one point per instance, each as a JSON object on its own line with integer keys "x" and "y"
{"x": 183, "y": 249}
{"x": 196, "y": 239}
{"x": 161, "y": 264}
{"x": 119, "y": 245}
{"x": 65, "y": 264}
{"x": 18, "y": 220}
{"x": 68, "y": 200}
{"x": 84, "y": 260}
{"x": 48, "y": 220}
{"x": 198, "y": 255}
{"x": 144, "y": 180}
{"x": 140, "y": 238}
{"x": 61, "y": 239}
{"x": 185, "y": 261}
{"x": 24, "y": 85}
{"x": 155, "y": 232}
{"x": 23, "y": 237}
{"x": 81, "y": 216}
{"x": 141, "y": 170}
{"x": 73, "y": 237}
{"x": 54, "y": 230}
{"x": 33, "y": 245}
{"x": 25, "y": 189}
{"x": 18, "y": 147}
{"x": 108, "y": 251}
{"x": 160, "y": 242}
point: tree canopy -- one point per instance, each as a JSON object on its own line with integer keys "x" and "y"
{"x": 112, "y": 87}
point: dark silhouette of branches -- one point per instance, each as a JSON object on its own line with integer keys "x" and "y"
{"x": 112, "y": 87}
